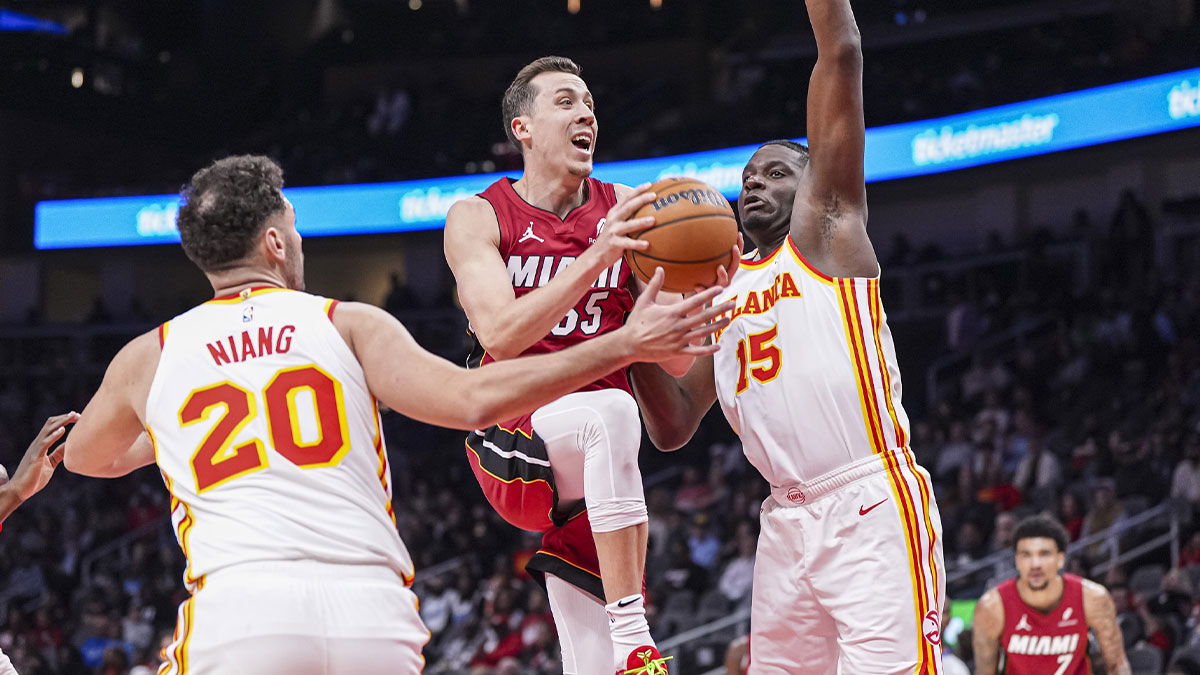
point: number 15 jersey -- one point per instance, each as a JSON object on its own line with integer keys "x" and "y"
{"x": 807, "y": 373}
{"x": 268, "y": 438}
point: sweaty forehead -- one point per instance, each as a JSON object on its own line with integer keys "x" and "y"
{"x": 774, "y": 154}
{"x": 551, "y": 83}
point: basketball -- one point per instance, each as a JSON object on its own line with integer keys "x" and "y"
{"x": 694, "y": 232}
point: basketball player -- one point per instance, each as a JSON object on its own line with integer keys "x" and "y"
{"x": 32, "y": 474}
{"x": 539, "y": 267}
{"x": 259, "y": 407}
{"x": 1040, "y": 620}
{"x": 849, "y": 576}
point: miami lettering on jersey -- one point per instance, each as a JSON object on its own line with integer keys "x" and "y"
{"x": 1043, "y": 645}
{"x": 535, "y": 271}
{"x": 760, "y": 301}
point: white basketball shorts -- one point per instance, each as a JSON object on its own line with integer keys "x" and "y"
{"x": 849, "y": 577}
{"x": 300, "y": 618}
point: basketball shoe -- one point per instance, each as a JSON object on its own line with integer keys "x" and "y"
{"x": 645, "y": 660}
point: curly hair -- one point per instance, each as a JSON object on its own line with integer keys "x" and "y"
{"x": 518, "y": 98}
{"x": 1041, "y": 526}
{"x": 224, "y": 207}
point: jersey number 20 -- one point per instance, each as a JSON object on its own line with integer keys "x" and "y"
{"x": 215, "y": 462}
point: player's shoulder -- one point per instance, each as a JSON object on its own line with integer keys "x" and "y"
{"x": 1094, "y": 592}
{"x": 991, "y": 604}
{"x": 620, "y": 190}
{"x": 471, "y": 207}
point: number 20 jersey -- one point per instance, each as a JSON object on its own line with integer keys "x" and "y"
{"x": 807, "y": 373}
{"x": 268, "y": 438}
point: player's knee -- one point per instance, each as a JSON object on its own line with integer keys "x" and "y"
{"x": 615, "y": 426}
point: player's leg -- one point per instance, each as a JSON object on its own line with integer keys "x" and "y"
{"x": 790, "y": 634}
{"x": 886, "y": 590}
{"x": 582, "y": 627}
{"x": 593, "y": 439}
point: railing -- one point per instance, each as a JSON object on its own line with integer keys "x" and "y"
{"x": 120, "y": 547}
{"x": 1001, "y": 564}
{"x": 1014, "y": 339}
{"x": 739, "y": 622}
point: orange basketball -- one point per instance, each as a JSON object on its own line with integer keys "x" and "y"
{"x": 694, "y": 232}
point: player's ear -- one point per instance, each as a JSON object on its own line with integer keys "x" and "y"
{"x": 273, "y": 245}
{"x": 520, "y": 128}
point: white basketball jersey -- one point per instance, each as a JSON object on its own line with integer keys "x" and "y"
{"x": 807, "y": 371}
{"x": 268, "y": 438}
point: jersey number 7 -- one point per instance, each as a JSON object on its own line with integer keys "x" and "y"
{"x": 761, "y": 352}
{"x": 215, "y": 462}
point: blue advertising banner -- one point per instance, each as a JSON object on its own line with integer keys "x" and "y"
{"x": 1102, "y": 115}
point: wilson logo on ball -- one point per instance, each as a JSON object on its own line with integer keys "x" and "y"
{"x": 694, "y": 233}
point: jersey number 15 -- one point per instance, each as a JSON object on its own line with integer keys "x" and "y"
{"x": 763, "y": 361}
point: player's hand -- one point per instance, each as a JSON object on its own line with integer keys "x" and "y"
{"x": 614, "y": 240}
{"x": 661, "y": 331}
{"x": 37, "y": 466}
{"x": 724, "y": 275}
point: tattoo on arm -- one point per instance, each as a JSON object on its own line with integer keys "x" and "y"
{"x": 1102, "y": 618}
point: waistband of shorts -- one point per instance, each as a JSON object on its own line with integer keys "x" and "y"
{"x": 309, "y": 569}
{"x": 799, "y": 494}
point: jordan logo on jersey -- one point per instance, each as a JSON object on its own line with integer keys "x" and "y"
{"x": 530, "y": 235}
{"x": 1023, "y": 624}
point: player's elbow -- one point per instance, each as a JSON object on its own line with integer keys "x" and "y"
{"x": 669, "y": 436}
{"x": 497, "y": 342}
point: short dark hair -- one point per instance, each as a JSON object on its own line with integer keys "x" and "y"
{"x": 799, "y": 149}
{"x": 1041, "y": 526}
{"x": 224, "y": 207}
{"x": 518, "y": 98}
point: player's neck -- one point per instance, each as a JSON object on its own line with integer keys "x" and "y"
{"x": 767, "y": 243}
{"x": 559, "y": 194}
{"x": 1043, "y": 600}
{"x": 234, "y": 281}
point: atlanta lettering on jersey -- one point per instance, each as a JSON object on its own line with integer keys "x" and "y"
{"x": 757, "y": 302}
{"x": 247, "y": 346}
{"x": 1039, "y": 645}
{"x": 534, "y": 271}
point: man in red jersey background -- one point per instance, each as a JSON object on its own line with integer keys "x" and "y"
{"x": 1040, "y": 620}
{"x": 539, "y": 267}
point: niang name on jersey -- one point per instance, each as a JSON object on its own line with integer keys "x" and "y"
{"x": 533, "y": 271}
{"x": 249, "y": 346}
{"x": 1037, "y": 645}
{"x": 758, "y": 302}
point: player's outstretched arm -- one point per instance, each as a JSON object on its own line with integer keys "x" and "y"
{"x": 37, "y": 465}
{"x": 428, "y": 388}
{"x": 507, "y": 325}
{"x": 1101, "y": 617}
{"x": 830, "y": 215}
{"x": 109, "y": 438}
{"x": 988, "y": 627}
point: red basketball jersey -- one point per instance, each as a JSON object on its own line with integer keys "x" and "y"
{"x": 536, "y": 244}
{"x": 1054, "y": 643}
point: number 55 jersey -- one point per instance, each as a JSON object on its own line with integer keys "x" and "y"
{"x": 268, "y": 438}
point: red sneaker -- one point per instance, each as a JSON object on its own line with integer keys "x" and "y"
{"x": 645, "y": 660}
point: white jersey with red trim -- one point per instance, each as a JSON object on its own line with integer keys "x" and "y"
{"x": 268, "y": 438}
{"x": 807, "y": 371}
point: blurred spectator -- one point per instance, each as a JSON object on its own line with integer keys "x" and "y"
{"x": 1185, "y": 483}
{"x": 1106, "y": 511}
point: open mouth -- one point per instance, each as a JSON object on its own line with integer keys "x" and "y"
{"x": 582, "y": 141}
{"x": 752, "y": 203}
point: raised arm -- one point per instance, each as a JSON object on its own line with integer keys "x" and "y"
{"x": 988, "y": 628}
{"x": 422, "y": 386}
{"x": 108, "y": 438}
{"x": 505, "y": 324}
{"x": 1101, "y": 617}
{"x": 830, "y": 217}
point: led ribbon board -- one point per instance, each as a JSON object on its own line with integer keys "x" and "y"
{"x": 1112, "y": 113}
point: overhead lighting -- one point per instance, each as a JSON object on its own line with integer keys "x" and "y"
{"x": 414, "y": 5}
{"x": 655, "y": 4}
{"x": 573, "y": 6}
{"x": 77, "y": 78}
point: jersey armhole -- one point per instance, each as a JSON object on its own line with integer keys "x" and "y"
{"x": 162, "y": 334}
{"x": 330, "y": 306}
{"x": 499, "y": 227}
